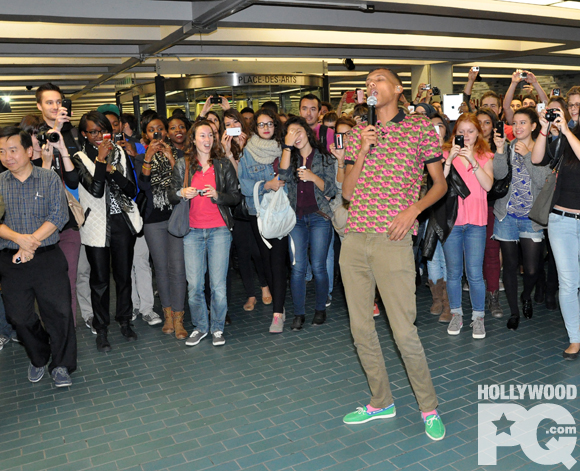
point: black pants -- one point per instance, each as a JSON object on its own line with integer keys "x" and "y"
{"x": 274, "y": 263}
{"x": 119, "y": 256}
{"x": 44, "y": 278}
{"x": 247, "y": 250}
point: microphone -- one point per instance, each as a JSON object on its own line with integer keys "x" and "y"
{"x": 372, "y": 116}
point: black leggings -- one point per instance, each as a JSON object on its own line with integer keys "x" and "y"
{"x": 274, "y": 263}
{"x": 247, "y": 249}
{"x": 531, "y": 252}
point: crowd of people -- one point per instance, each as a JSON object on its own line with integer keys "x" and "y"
{"x": 183, "y": 199}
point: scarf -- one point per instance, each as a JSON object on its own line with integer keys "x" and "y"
{"x": 161, "y": 172}
{"x": 263, "y": 151}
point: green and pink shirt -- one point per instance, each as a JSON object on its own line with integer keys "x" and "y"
{"x": 393, "y": 171}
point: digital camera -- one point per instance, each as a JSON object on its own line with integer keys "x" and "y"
{"x": 44, "y": 137}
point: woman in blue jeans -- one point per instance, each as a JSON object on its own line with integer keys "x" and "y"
{"x": 564, "y": 222}
{"x": 211, "y": 187}
{"x": 309, "y": 174}
{"x": 473, "y": 162}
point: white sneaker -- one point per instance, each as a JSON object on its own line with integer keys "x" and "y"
{"x": 89, "y": 324}
{"x": 152, "y": 318}
{"x": 218, "y": 338}
{"x": 135, "y": 314}
{"x": 3, "y": 341}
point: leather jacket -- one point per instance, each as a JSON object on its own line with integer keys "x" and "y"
{"x": 226, "y": 182}
{"x": 443, "y": 213}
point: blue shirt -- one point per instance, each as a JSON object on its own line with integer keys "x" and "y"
{"x": 31, "y": 203}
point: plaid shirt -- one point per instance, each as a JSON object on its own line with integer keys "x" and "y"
{"x": 29, "y": 204}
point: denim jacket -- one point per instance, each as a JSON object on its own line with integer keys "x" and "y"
{"x": 250, "y": 172}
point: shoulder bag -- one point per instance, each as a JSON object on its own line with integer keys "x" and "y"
{"x": 276, "y": 218}
{"x": 501, "y": 187}
{"x": 178, "y": 224}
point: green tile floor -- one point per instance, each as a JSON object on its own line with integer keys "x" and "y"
{"x": 270, "y": 402}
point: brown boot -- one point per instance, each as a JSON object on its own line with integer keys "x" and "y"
{"x": 446, "y": 315}
{"x": 168, "y": 326}
{"x": 180, "y": 332}
{"x": 436, "y": 292}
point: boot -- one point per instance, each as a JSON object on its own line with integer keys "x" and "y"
{"x": 436, "y": 290}
{"x": 446, "y": 315}
{"x": 180, "y": 332}
{"x": 494, "y": 306}
{"x": 168, "y": 327}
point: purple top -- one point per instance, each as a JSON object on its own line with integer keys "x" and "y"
{"x": 305, "y": 199}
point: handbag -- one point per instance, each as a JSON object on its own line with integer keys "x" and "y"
{"x": 178, "y": 224}
{"x": 500, "y": 187}
{"x": 275, "y": 216}
{"x": 241, "y": 211}
{"x": 543, "y": 204}
{"x": 75, "y": 208}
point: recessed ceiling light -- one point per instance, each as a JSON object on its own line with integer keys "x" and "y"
{"x": 569, "y": 4}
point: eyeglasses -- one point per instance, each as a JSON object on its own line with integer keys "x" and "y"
{"x": 94, "y": 133}
{"x": 573, "y": 105}
{"x": 269, "y": 124}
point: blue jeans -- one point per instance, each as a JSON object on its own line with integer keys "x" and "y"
{"x": 312, "y": 231}
{"x": 564, "y": 233}
{"x": 436, "y": 267}
{"x": 469, "y": 241}
{"x": 203, "y": 249}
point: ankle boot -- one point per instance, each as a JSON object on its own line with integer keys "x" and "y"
{"x": 494, "y": 306}
{"x": 446, "y": 315}
{"x": 180, "y": 332}
{"x": 168, "y": 327}
{"x": 513, "y": 322}
{"x": 436, "y": 292}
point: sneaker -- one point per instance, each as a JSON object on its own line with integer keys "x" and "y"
{"x": 15, "y": 338}
{"x": 277, "y": 325}
{"x": 455, "y": 325}
{"x": 218, "y": 339}
{"x": 89, "y": 324}
{"x": 297, "y": 323}
{"x": 434, "y": 427}
{"x": 3, "y": 341}
{"x": 328, "y": 301}
{"x": 61, "y": 377}
{"x": 35, "y": 374}
{"x": 135, "y": 314}
{"x": 152, "y": 318}
{"x": 361, "y": 415}
{"x": 501, "y": 286}
{"x": 376, "y": 311}
{"x": 466, "y": 286}
{"x": 195, "y": 338}
{"x": 478, "y": 328}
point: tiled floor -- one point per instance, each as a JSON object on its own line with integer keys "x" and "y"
{"x": 267, "y": 403}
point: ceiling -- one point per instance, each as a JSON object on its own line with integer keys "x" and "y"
{"x": 91, "y": 49}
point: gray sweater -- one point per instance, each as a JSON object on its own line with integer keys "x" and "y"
{"x": 500, "y": 169}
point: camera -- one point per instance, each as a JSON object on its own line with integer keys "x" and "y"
{"x": 523, "y": 75}
{"x": 45, "y": 137}
{"x": 556, "y": 92}
{"x": 460, "y": 140}
{"x": 118, "y": 137}
{"x": 436, "y": 91}
{"x": 215, "y": 99}
{"x": 338, "y": 140}
{"x": 551, "y": 115}
{"x": 475, "y": 69}
{"x": 427, "y": 87}
{"x": 157, "y": 136}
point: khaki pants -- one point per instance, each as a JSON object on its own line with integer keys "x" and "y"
{"x": 367, "y": 260}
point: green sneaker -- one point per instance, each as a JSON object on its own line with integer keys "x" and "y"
{"x": 434, "y": 427}
{"x": 361, "y": 415}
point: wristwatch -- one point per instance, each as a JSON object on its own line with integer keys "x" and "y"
{"x": 113, "y": 169}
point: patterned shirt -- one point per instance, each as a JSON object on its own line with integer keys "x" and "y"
{"x": 393, "y": 171}
{"x": 521, "y": 199}
{"x": 31, "y": 203}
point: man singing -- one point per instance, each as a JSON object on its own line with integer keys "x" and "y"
{"x": 32, "y": 265}
{"x": 383, "y": 188}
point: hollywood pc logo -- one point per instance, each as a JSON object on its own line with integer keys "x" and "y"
{"x": 519, "y": 426}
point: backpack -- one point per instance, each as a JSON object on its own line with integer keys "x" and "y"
{"x": 276, "y": 218}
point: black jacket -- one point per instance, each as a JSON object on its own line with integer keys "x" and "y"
{"x": 226, "y": 182}
{"x": 443, "y": 213}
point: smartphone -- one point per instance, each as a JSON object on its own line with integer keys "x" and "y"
{"x": 360, "y": 95}
{"x": 556, "y": 92}
{"x": 215, "y": 99}
{"x": 459, "y": 140}
{"x": 157, "y": 136}
{"x": 68, "y": 105}
{"x": 427, "y": 87}
{"x": 349, "y": 97}
{"x": 303, "y": 167}
{"x": 338, "y": 140}
{"x": 118, "y": 137}
{"x": 107, "y": 136}
{"x": 18, "y": 261}
{"x": 499, "y": 128}
{"x": 233, "y": 131}
{"x": 540, "y": 107}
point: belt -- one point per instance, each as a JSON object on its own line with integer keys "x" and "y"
{"x": 565, "y": 214}
{"x": 46, "y": 248}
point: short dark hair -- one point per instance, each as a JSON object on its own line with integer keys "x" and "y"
{"x": 147, "y": 120}
{"x": 128, "y": 118}
{"x": 25, "y": 138}
{"x": 31, "y": 123}
{"x": 529, "y": 97}
{"x": 491, "y": 93}
{"x": 310, "y": 96}
{"x": 186, "y": 122}
{"x": 327, "y": 104}
{"x": 47, "y": 87}
{"x": 393, "y": 74}
{"x": 247, "y": 109}
{"x": 270, "y": 105}
{"x": 330, "y": 116}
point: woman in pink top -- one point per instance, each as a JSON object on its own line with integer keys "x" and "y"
{"x": 473, "y": 162}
